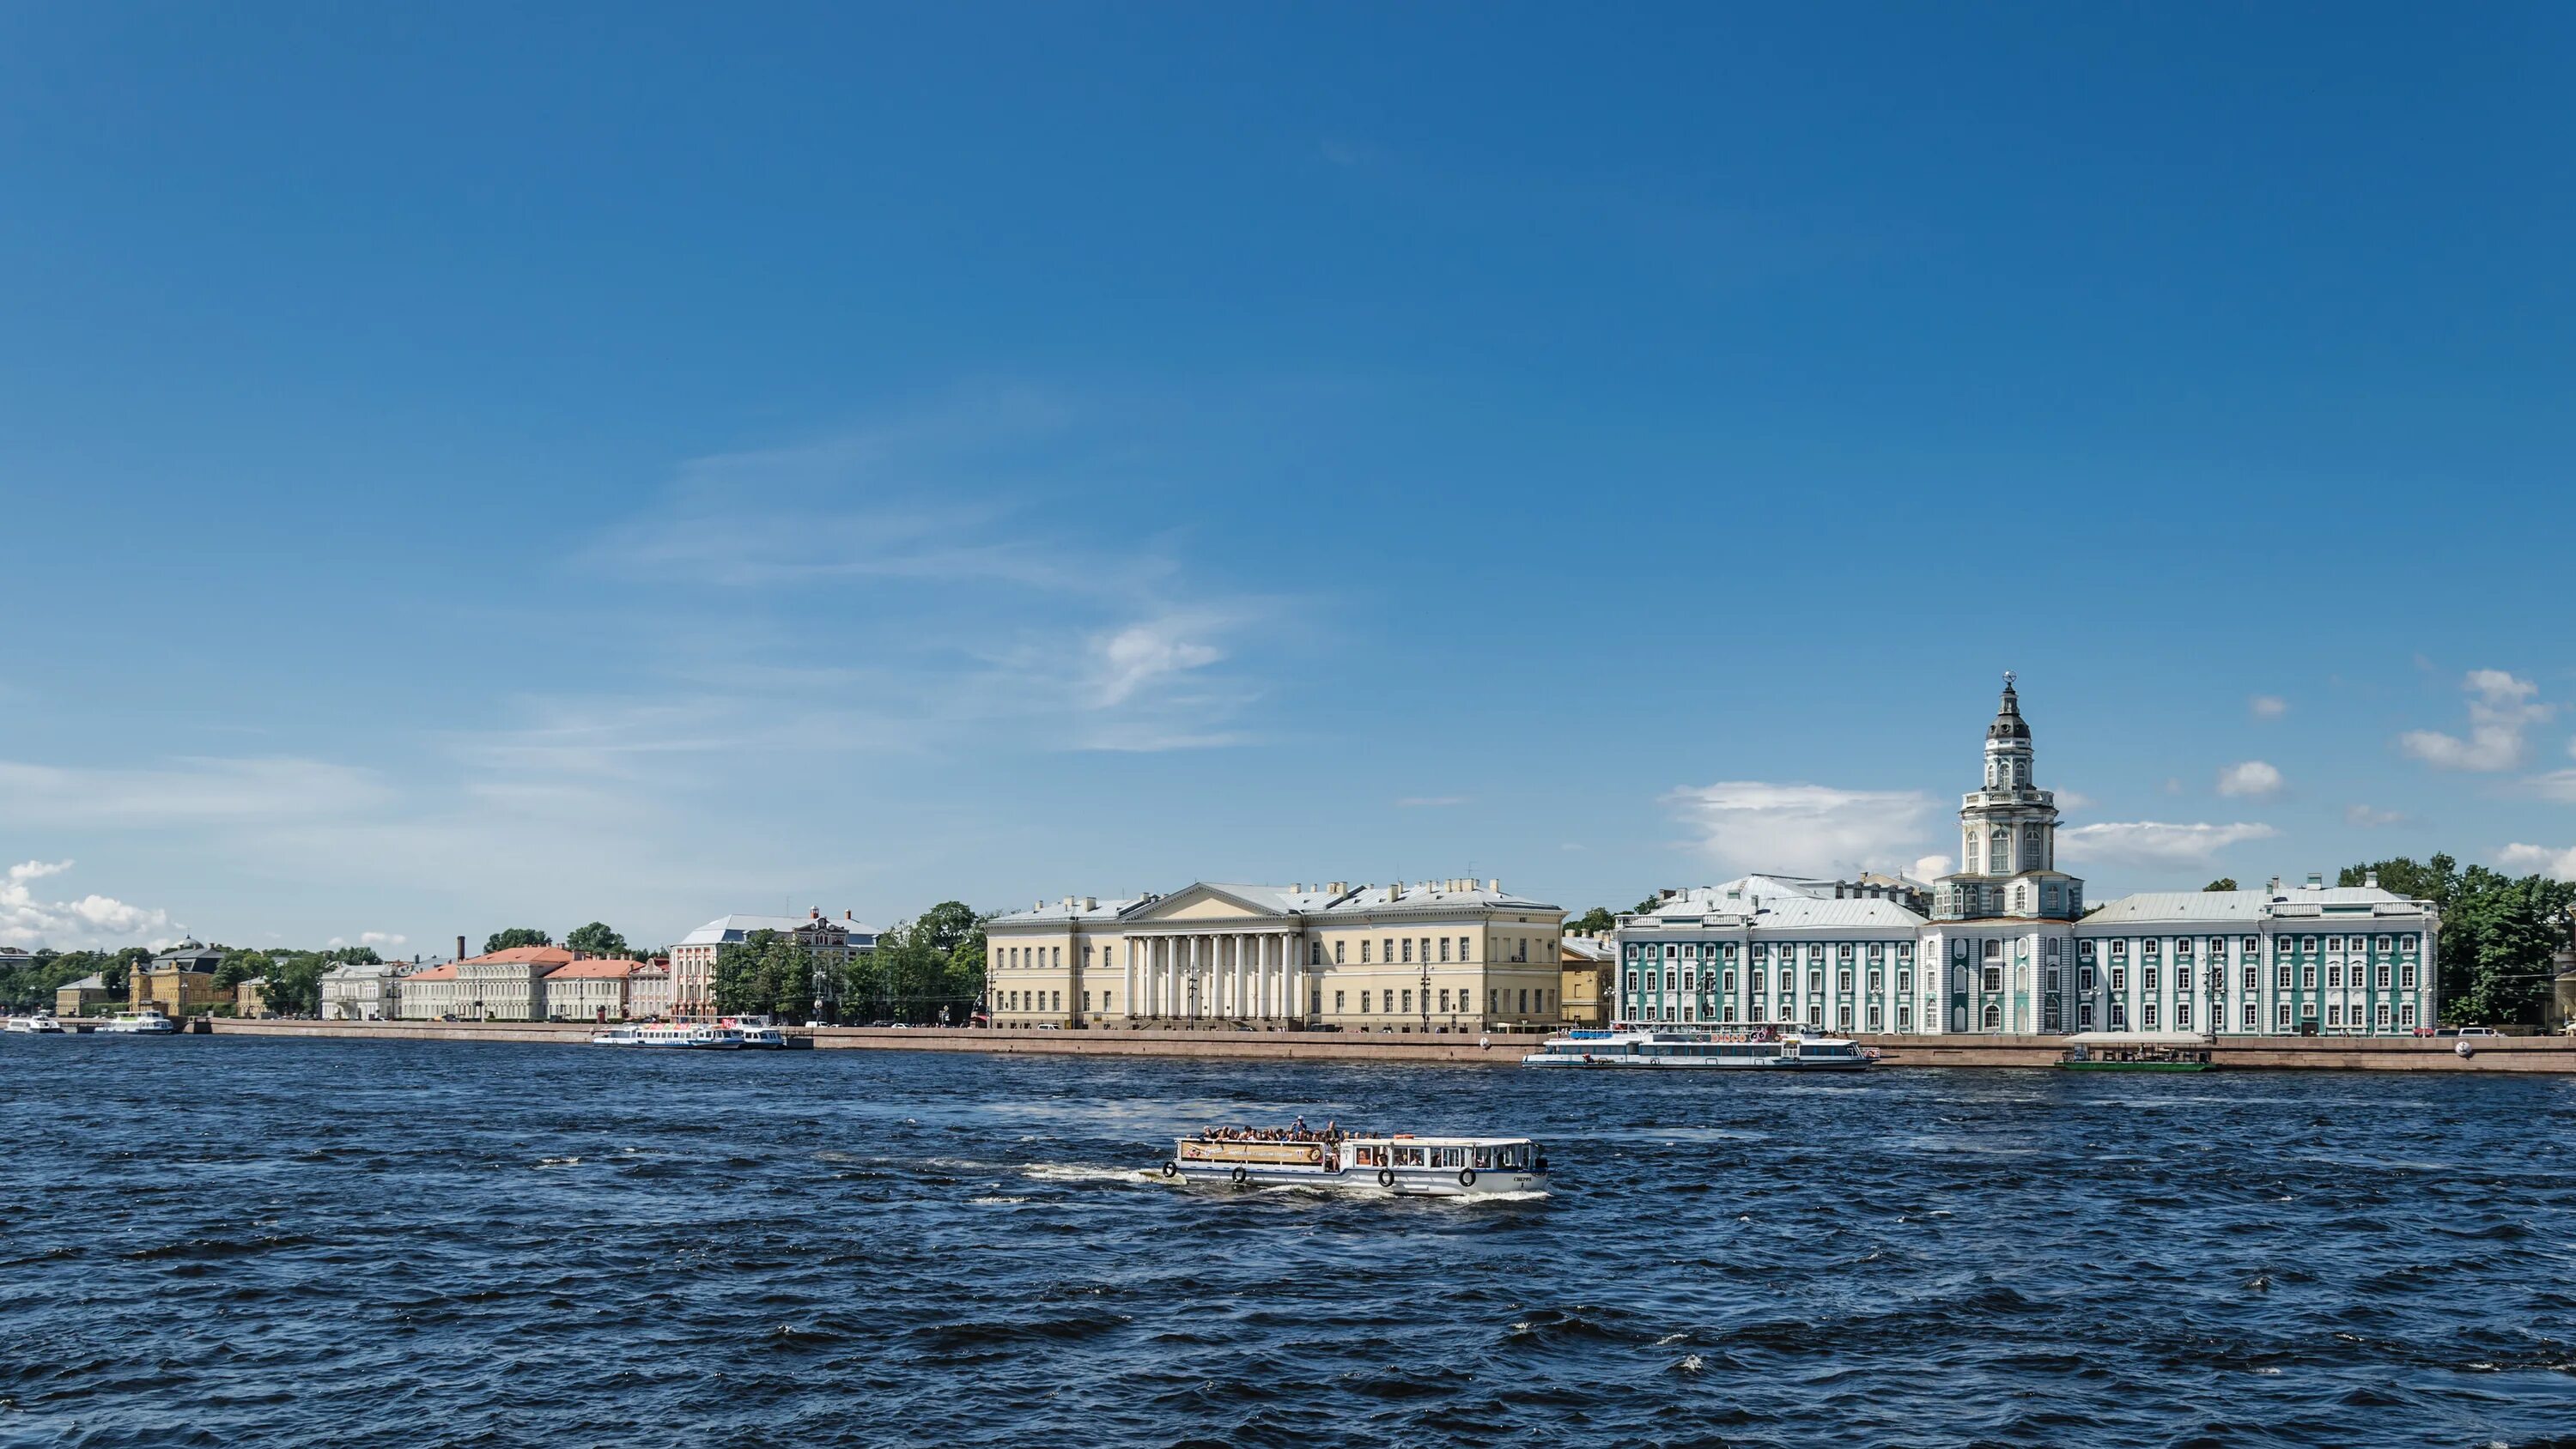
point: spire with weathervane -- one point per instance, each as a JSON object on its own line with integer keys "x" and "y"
{"x": 2008, "y": 835}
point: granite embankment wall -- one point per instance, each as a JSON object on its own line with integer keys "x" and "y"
{"x": 2398, "y": 1054}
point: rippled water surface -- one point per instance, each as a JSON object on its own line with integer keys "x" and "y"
{"x": 219, "y": 1240}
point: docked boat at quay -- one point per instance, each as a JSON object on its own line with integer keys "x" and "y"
{"x": 41, "y": 1023}
{"x": 672, "y": 1035}
{"x": 1754, "y": 1049}
{"x": 148, "y": 1022}
{"x": 1406, "y": 1164}
{"x": 758, "y": 1033}
{"x": 2136, "y": 1051}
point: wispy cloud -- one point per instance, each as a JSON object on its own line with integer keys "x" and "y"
{"x": 1745, "y": 825}
{"x": 187, "y": 791}
{"x": 2267, "y": 706}
{"x": 2501, "y": 709}
{"x": 86, "y": 923}
{"x": 2252, "y": 777}
{"x": 2155, "y": 842}
{"x": 2363, "y": 817}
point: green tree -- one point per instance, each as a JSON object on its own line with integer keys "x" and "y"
{"x": 515, "y": 936}
{"x": 295, "y": 983}
{"x": 2223, "y": 883}
{"x": 596, "y": 939}
{"x": 1594, "y": 922}
{"x": 355, "y": 955}
{"x": 1650, "y": 903}
{"x": 240, "y": 966}
{"x": 2498, "y": 932}
{"x": 924, "y": 968}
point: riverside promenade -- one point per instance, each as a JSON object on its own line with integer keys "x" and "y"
{"x": 2378, "y": 1054}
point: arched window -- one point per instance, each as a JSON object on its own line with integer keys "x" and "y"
{"x": 1994, "y": 1018}
{"x": 1999, "y": 852}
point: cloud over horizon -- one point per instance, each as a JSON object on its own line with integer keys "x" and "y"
{"x": 1797, "y": 828}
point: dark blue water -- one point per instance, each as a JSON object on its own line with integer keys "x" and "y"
{"x": 227, "y": 1241}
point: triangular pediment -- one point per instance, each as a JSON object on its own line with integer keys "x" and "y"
{"x": 1204, "y": 902}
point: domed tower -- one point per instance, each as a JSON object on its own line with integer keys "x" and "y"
{"x": 2008, "y": 836}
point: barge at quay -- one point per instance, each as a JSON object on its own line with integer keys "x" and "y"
{"x": 1759, "y": 1049}
{"x": 1404, "y": 1163}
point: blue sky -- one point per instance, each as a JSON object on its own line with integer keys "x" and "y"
{"x": 465, "y": 466}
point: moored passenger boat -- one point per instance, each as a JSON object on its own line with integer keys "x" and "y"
{"x": 681, "y": 1035}
{"x": 758, "y": 1032}
{"x": 1404, "y": 1163}
{"x": 41, "y": 1023}
{"x": 148, "y": 1022}
{"x": 2136, "y": 1051}
{"x": 1754, "y": 1048}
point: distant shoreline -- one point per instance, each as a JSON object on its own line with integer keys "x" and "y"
{"x": 2498, "y": 1054}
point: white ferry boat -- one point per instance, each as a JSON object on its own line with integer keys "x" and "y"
{"x": 139, "y": 1023}
{"x": 41, "y": 1022}
{"x": 1755, "y": 1048}
{"x": 681, "y": 1035}
{"x": 758, "y": 1032}
{"x": 1406, "y": 1164}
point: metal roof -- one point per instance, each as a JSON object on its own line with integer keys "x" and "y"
{"x": 2235, "y": 907}
{"x": 726, "y": 930}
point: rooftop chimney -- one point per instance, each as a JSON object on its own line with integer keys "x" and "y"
{"x": 460, "y": 948}
{"x": 1495, "y": 886}
{"x": 2275, "y": 886}
{"x": 2370, "y": 877}
{"x": 1091, "y": 903}
{"x": 2316, "y": 881}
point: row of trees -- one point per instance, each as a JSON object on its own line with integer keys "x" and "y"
{"x": 294, "y": 977}
{"x": 595, "y": 939}
{"x": 926, "y": 970}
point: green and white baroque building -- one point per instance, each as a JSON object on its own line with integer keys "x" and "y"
{"x": 2007, "y": 947}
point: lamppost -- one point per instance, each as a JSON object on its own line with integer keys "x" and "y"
{"x": 1426, "y": 993}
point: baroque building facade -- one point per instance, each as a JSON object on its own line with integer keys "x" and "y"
{"x": 2009, "y": 947}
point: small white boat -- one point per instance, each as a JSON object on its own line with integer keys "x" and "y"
{"x": 615, "y": 1036}
{"x": 40, "y": 1022}
{"x": 1755, "y": 1048}
{"x": 1404, "y": 1163}
{"x": 149, "y": 1022}
{"x": 758, "y": 1032}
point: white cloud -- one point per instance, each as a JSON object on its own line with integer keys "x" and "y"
{"x": 91, "y": 922}
{"x": 2072, "y": 799}
{"x": 1930, "y": 867}
{"x": 2155, "y": 842}
{"x": 1747, "y": 825}
{"x": 2268, "y": 706}
{"x": 2252, "y": 777}
{"x": 2556, "y": 785}
{"x": 2363, "y": 817}
{"x": 1145, "y": 654}
{"x": 2556, "y": 864}
{"x": 368, "y": 938}
{"x": 2501, "y": 708}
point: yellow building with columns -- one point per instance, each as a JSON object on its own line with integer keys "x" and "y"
{"x": 1422, "y": 956}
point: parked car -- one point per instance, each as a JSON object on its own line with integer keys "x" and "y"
{"x": 2479, "y": 1031}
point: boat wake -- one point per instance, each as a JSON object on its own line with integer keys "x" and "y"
{"x": 1077, "y": 1172}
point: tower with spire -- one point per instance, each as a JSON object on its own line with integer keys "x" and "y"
{"x": 2008, "y": 837}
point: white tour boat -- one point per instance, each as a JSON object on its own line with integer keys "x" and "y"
{"x": 682, "y": 1035}
{"x": 36, "y": 1021}
{"x": 1406, "y": 1164}
{"x": 757, "y": 1031}
{"x": 149, "y": 1022}
{"x": 1755, "y": 1048}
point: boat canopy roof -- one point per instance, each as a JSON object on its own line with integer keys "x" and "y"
{"x": 2138, "y": 1038}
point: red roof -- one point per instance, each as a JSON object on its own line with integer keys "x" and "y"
{"x": 596, "y": 967}
{"x": 434, "y": 973}
{"x": 532, "y": 955}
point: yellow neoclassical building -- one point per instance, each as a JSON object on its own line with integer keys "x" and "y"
{"x": 1418, "y": 956}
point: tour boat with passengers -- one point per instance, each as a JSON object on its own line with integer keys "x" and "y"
{"x": 147, "y": 1022}
{"x": 40, "y": 1022}
{"x": 2136, "y": 1051}
{"x": 681, "y": 1035}
{"x": 1404, "y": 1163}
{"x": 1762, "y": 1048}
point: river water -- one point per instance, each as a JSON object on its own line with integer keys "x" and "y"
{"x": 279, "y": 1242}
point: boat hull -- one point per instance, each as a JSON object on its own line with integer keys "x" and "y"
{"x": 1400, "y": 1182}
{"x": 2133, "y": 1066}
{"x": 1688, "y": 1064}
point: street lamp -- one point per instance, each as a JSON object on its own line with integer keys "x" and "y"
{"x": 1426, "y": 993}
